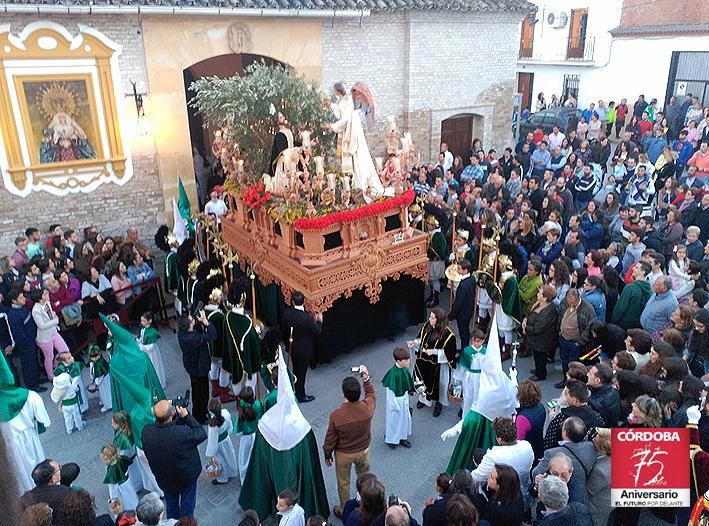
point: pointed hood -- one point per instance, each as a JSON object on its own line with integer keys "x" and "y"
{"x": 12, "y": 399}
{"x": 497, "y": 395}
{"x": 129, "y": 367}
{"x": 284, "y": 426}
{"x": 184, "y": 206}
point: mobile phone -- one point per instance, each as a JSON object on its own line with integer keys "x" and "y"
{"x": 355, "y": 369}
{"x": 552, "y": 404}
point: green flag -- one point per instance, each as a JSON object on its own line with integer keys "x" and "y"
{"x": 12, "y": 399}
{"x": 184, "y": 206}
{"x": 134, "y": 385}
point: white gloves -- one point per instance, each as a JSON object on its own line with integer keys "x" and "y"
{"x": 453, "y": 431}
{"x": 693, "y": 415}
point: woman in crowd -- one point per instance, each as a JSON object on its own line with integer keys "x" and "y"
{"x": 506, "y": 505}
{"x": 611, "y": 204}
{"x": 672, "y": 233}
{"x": 594, "y": 293}
{"x": 48, "y": 338}
{"x": 646, "y": 412}
{"x": 582, "y": 129}
{"x": 593, "y": 261}
{"x": 658, "y": 353}
{"x": 560, "y": 278}
{"x": 530, "y": 416}
{"x": 697, "y": 354}
{"x": 96, "y": 294}
{"x": 665, "y": 198}
{"x": 598, "y": 481}
{"x": 530, "y": 284}
{"x": 610, "y": 338}
{"x": 120, "y": 283}
{"x": 372, "y": 504}
{"x": 638, "y": 344}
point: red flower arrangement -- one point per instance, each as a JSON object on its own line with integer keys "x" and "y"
{"x": 255, "y": 196}
{"x": 348, "y": 216}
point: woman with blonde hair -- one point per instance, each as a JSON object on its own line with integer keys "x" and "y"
{"x": 598, "y": 481}
{"x": 646, "y": 412}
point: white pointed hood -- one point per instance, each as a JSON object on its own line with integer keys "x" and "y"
{"x": 284, "y": 426}
{"x": 179, "y": 230}
{"x": 497, "y": 395}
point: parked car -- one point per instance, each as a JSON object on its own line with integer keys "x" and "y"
{"x": 547, "y": 119}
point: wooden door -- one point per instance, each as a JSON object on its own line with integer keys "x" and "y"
{"x": 457, "y": 133}
{"x": 526, "y": 42}
{"x": 524, "y": 87}
{"x": 577, "y": 33}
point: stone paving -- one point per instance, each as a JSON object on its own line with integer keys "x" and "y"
{"x": 409, "y": 473}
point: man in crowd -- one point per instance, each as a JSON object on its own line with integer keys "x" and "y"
{"x": 46, "y": 475}
{"x": 349, "y": 433}
{"x": 302, "y": 330}
{"x": 604, "y": 399}
{"x": 196, "y": 359}
{"x": 658, "y": 310}
{"x": 631, "y": 303}
{"x": 170, "y": 445}
{"x": 576, "y": 315}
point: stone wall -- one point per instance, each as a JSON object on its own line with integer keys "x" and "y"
{"x": 424, "y": 67}
{"x": 111, "y": 208}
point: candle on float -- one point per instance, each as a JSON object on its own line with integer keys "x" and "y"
{"x": 380, "y": 163}
{"x": 346, "y": 183}
{"x": 319, "y": 165}
{"x": 240, "y": 165}
{"x": 331, "y": 181}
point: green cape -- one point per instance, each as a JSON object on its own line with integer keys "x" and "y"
{"x": 248, "y": 427}
{"x": 150, "y": 335}
{"x": 134, "y": 385}
{"x": 172, "y": 276}
{"x": 511, "y": 301}
{"x": 476, "y": 433}
{"x": 118, "y": 472}
{"x": 121, "y": 440}
{"x": 399, "y": 380}
{"x": 241, "y": 359}
{"x": 101, "y": 367}
{"x": 12, "y": 399}
{"x": 466, "y": 356}
{"x": 271, "y": 471}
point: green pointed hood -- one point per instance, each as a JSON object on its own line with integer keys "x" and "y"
{"x": 12, "y": 399}
{"x": 131, "y": 368}
{"x": 184, "y": 206}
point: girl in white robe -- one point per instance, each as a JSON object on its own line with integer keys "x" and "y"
{"x": 101, "y": 377}
{"x": 139, "y": 472}
{"x": 119, "y": 484}
{"x": 249, "y": 412}
{"x": 147, "y": 342}
{"x": 21, "y": 435}
{"x": 219, "y": 444}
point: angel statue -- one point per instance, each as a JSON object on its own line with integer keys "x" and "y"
{"x": 351, "y": 143}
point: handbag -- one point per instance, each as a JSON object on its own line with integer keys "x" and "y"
{"x": 71, "y": 315}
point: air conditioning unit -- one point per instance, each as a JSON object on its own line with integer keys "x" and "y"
{"x": 558, "y": 19}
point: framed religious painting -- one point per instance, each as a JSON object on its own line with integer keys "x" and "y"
{"x": 60, "y": 122}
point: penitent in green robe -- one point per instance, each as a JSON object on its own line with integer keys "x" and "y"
{"x": 172, "y": 276}
{"x": 243, "y": 347}
{"x": 271, "y": 471}
{"x": 476, "y": 433}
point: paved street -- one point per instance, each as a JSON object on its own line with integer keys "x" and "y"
{"x": 409, "y": 473}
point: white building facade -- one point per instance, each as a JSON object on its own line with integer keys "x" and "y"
{"x": 608, "y": 50}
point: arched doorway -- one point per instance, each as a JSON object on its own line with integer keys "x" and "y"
{"x": 458, "y": 132}
{"x": 222, "y": 66}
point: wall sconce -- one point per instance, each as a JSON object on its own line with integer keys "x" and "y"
{"x": 145, "y": 126}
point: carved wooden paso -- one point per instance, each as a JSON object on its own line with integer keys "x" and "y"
{"x": 327, "y": 264}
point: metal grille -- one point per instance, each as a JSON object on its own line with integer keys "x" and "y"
{"x": 571, "y": 86}
{"x": 689, "y": 73}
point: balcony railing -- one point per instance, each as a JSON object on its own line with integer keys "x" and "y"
{"x": 577, "y": 50}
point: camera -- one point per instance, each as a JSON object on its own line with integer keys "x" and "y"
{"x": 197, "y": 308}
{"x": 182, "y": 401}
{"x": 393, "y": 500}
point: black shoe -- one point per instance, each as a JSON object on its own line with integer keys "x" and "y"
{"x": 420, "y": 404}
{"x": 560, "y": 385}
{"x": 39, "y": 389}
{"x": 217, "y": 483}
{"x": 391, "y": 446}
{"x": 437, "y": 409}
{"x": 405, "y": 443}
{"x": 532, "y": 371}
{"x": 434, "y": 301}
{"x": 550, "y": 359}
{"x": 306, "y": 399}
{"x": 535, "y": 378}
{"x": 460, "y": 413}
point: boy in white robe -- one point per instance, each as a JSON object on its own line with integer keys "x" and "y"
{"x": 101, "y": 377}
{"x": 66, "y": 394}
{"x": 469, "y": 367}
{"x": 219, "y": 445}
{"x": 399, "y": 384}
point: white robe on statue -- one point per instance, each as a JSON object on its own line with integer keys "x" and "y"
{"x": 355, "y": 156}
{"x": 22, "y": 440}
{"x": 398, "y": 418}
{"x": 223, "y": 450}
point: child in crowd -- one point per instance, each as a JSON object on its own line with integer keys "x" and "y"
{"x": 443, "y": 487}
{"x": 66, "y": 395}
{"x": 66, "y": 364}
{"x": 119, "y": 484}
{"x": 678, "y": 267}
{"x": 399, "y": 385}
{"x": 69, "y": 472}
{"x": 147, "y": 341}
{"x": 469, "y": 366}
{"x": 100, "y": 377}
{"x": 292, "y": 514}
{"x": 248, "y": 413}
{"x": 219, "y": 444}
{"x": 123, "y": 440}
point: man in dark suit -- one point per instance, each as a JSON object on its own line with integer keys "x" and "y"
{"x": 302, "y": 329}
{"x": 46, "y": 476}
{"x": 462, "y": 310}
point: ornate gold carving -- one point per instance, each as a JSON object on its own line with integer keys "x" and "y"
{"x": 371, "y": 260}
